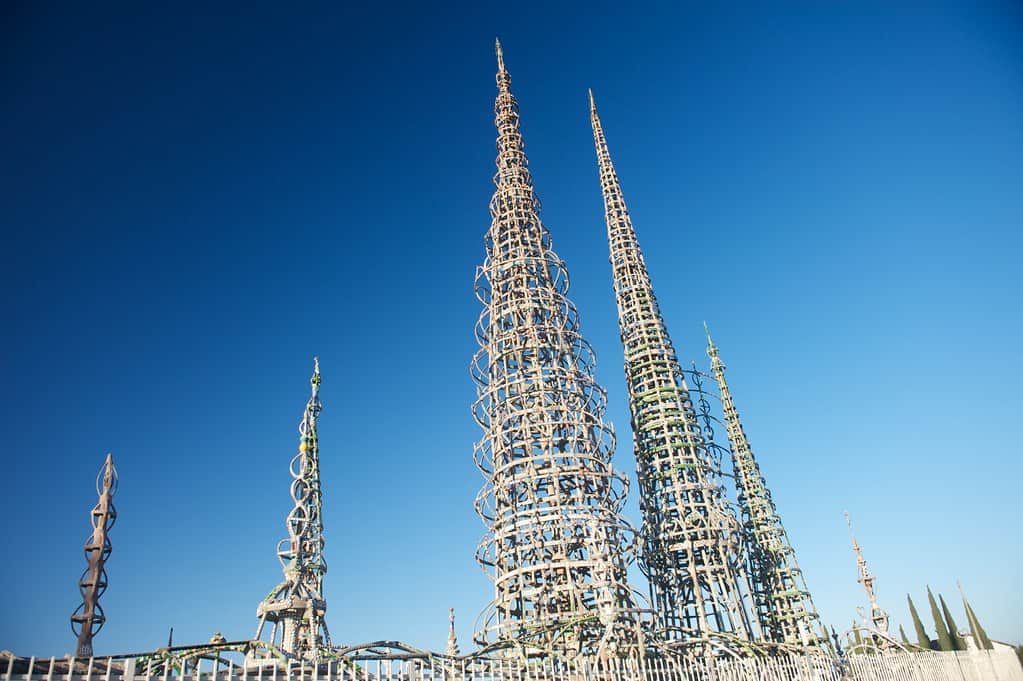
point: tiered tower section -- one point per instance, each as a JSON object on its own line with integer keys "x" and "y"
{"x": 781, "y": 599}
{"x": 556, "y": 544}
{"x": 691, "y": 541}
{"x": 88, "y": 619}
{"x": 296, "y": 607}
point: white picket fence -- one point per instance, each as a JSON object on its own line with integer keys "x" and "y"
{"x": 976, "y": 665}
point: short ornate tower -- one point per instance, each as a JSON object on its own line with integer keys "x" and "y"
{"x": 296, "y": 607}
{"x": 780, "y": 597}
{"x": 691, "y": 539}
{"x": 556, "y": 543}
{"x": 452, "y": 648}
{"x": 878, "y": 617}
{"x": 88, "y": 619}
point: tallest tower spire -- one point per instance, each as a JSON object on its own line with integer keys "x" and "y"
{"x": 691, "y": 538}
{"x": 556, "y": 545}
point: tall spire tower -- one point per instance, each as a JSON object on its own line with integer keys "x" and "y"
{"x": 878, "y": 616}
{"x": 88, "y": 619}
{"x": 556, "y": 544}
{"x": 780, "y": 597}
{"x": 691, "y": 538}
{"x": 296, "y": 607}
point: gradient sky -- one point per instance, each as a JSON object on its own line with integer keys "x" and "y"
{"x": 196, "y": 202}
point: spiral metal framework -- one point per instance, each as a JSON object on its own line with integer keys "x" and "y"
{"x": 88, "y": 619}
{"x": 781, "y": 599}
{"x": 691, "y": 538}
{"x": 556, "y": 547}
{"x": 296, "y": 607}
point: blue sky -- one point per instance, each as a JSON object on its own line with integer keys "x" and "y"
{"x": 197, "y": 202}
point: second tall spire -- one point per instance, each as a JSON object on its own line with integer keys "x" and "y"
{"x": 691, "y": 539}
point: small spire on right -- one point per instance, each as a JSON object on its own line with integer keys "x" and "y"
{"x": 593, "y": 104}
{"x": 877, "y": 614}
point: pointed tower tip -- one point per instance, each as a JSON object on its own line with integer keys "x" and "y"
{"x": 593, "y": 103}
{"x": 315, "y": 379}
{"x": 500, "y": 54}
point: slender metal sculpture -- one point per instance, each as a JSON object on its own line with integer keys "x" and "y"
{"x": 781, "y": 599}
{"x": 691, "y": 538}
{"x": 556, "y": 547}
{"x": 88, "y": 618}
{"x": 452, "y": 648}
{"x": 296, "y": 607}
{"x": 878, "y": 617}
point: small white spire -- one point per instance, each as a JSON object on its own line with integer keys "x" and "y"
{"x": 500, "y": 54}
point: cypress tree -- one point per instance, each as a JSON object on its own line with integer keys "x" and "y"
{"x": 922, "y": 639}
{"x": 944, "y": 640}
{"x": 953, "y": 629}
{"x": 902, "y": 633}
{"x": 979, "y": 635}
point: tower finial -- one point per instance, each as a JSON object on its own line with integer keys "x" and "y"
{"x": 452, "y": 649}
{"x": 593, "y": 103}
{"x": 500, "y": 54}
{"x": 712, "y": 349}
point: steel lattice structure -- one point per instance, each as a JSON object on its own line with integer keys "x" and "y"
{"x": 691, "y": 538}
{"x": 88, "y": 618}
{"x": 781, "y": 599}
{"x": 556, "y": 547}
{"x": 296, "y": 607}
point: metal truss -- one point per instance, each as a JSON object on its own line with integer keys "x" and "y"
{"x": 781, "y": 599}
{"x": 691, "y": 539}
{"x": 88, "y": 619}
{"x": 296, "y": 607}
{"x": 556, "y": 547}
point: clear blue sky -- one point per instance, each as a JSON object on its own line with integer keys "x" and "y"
{"x": 196, "y": 202}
